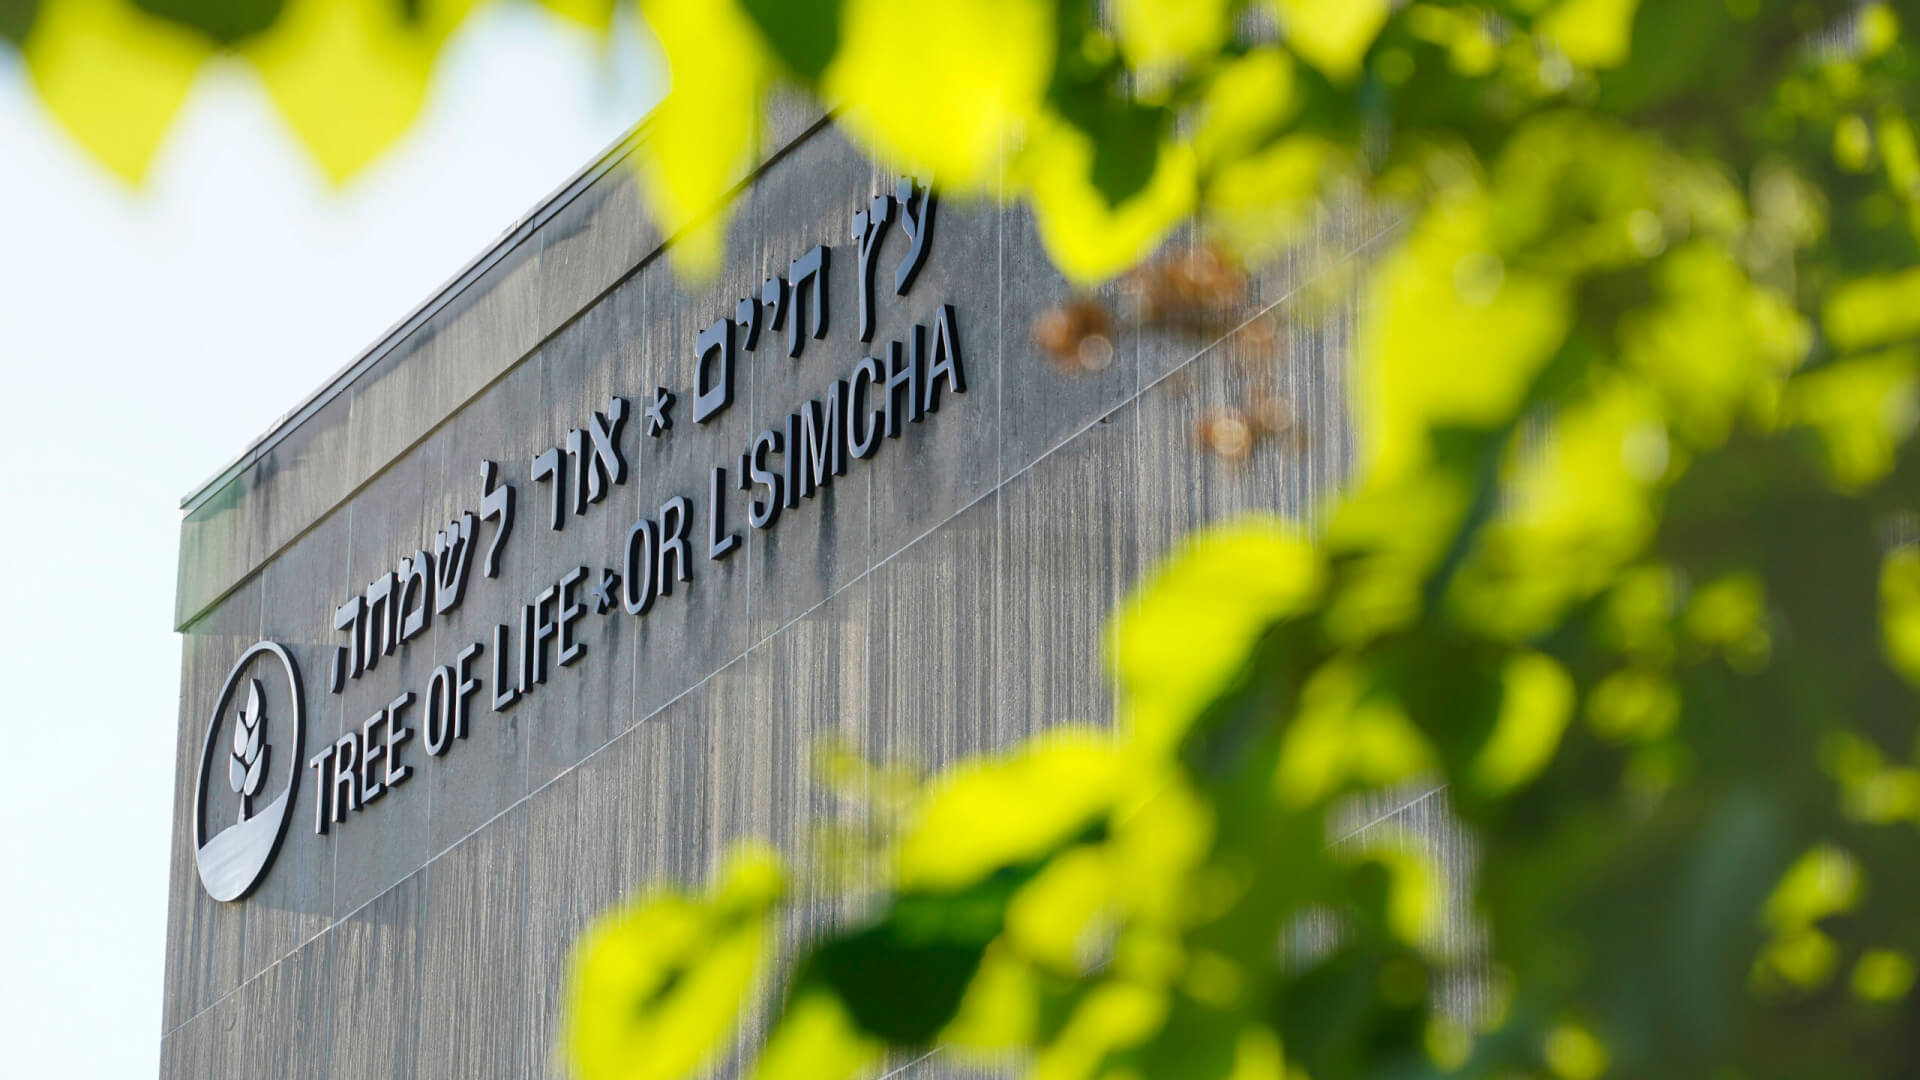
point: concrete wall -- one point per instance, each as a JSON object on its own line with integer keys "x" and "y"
{"x": 946, "y": 596}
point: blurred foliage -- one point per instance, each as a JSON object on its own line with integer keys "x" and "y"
{"x": 348, "y": 76}
{"x": 1629, "y": 564}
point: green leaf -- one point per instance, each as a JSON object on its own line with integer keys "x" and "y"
{"x": 225, "y": 21}
{"x": 114, "y": 77}
{"x": 1333, "y": 35}
{"x": 804, "y": 34}
{"x": 16, "y": 18}
{"x": 943, "y": 87}
{"x": 903, "y": 977}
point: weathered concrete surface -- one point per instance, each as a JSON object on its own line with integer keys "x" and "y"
{"x": 946, "y": 596}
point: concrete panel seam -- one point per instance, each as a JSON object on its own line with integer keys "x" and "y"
{"x": 908, "y": 1065}
{"x": 1415, "y": 801}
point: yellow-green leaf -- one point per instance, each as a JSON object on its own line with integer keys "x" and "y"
{"x": 1090, "y": 239}
{"x": 658, "y": 983}
{"x": 1714, "y": 343}
{"x": 1257, "y": 205}
{"x": 1536, "y": 700}
{"x": 1052, "y": 917}
{"x": 1592, "y": 33}
{"x": 1883, "y": 975}
{"x": 1574, "y": 1053}
{"x": 816, "y": 1039}
{"x": 350, "y": 76}
{"x": 1873, "y": 310}
{"x": 1900, "y": 610}
{"x": 1157, "y": 33}
{"x": 1333, "y": 35}
{"x": 1453, "y": 337}
{"x": 1824, "y": 881}
{"x": 1633, "y": 706}
{"x": 1413, "y": 901}
{"x": 1729, "y": 614}
{"x": 701, "y": 139}
{"x": 1195, "y": 625}
{"x": 941, "y": 86}
{"x": 1001, "y": 1008}
{"x": 113, "y": 76}
{"x": 1257, "y": 1055}
{"x": 1346, "y": 734}
{"x": 1862, "y": 408}
{"x": 1157, "y": 846}
{"x": 992, "y": 812}
{"x": 1113, "y": 1016}
{"x": 1580, "y": 507}
{"x": 1245, "y": 104}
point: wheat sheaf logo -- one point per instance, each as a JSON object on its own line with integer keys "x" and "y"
{"x": 260, "y": 703}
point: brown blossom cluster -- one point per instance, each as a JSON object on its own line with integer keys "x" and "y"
{"x": 1198, "y": 290}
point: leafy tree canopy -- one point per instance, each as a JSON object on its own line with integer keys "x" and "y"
{"x": 1628, "y": 562}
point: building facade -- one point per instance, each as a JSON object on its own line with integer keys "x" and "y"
{"x": 566, "y": 581}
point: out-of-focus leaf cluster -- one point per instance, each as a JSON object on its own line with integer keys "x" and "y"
{"x": 1630, "y": 563}
{"x": 348, "y": 76}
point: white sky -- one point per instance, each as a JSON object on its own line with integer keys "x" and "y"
{"x": 145, "y": 338}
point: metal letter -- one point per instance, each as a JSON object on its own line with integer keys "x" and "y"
{"x": 577, "y": 461}
{"x": 869, "y": 226}
{"x": 795, "y": 452}
{"x": 636, "y": 574}
{"x": 349, "y": 617}
{"x": 452, "y": 551}
{"x": 820, "y": 449}
{"x": 773, "y": 294}
{"x": 416, "y": 582}
{"x": 397, "y": 733}
{"x": 838, "y": 399}
{"x": 862, "y": 443}
{"x": 370, "y": 751}
{"x": 674, "y": 519}
{"x": 570, "y": 611}
{"x": 550, "y": 467}
{"x": 718, "y": 547}
{"x": 762, "y": 514}
{"x": 945, "y": 362}
{"x": 379, "y": 623}
{"x": 545, "y": 626}
{"x": 464, "y": 687}
{"x": 526, "y": 649}
{"x": 709, "y": 399}
{"x": 504, "y": 693}
{"x": 609, "y": 468}
{"x": 747, "y": 314}
{"x": 438, "y": 723}
{"x": 809, "y": 268}
{"x": 496, "y": 503}
{"x": 808, "y": 461}
{"x": 903, "y": 388}
{"x": 918, "y": 224}
{"x": 321, "y": 763}
{"x": 346, "y": 784}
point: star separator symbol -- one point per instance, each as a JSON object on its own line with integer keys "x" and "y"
{"x": 603, "y": 593}
{"x": 658, "y": 420}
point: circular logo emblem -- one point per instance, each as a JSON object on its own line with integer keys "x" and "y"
{"x": 240, "y": 813}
